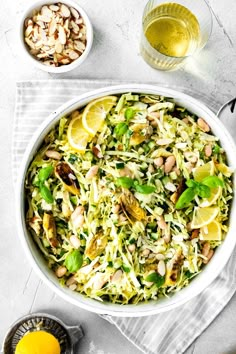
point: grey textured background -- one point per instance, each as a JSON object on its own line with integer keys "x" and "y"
{"x": 114, "y": 56}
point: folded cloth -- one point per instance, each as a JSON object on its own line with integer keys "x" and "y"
{"x": 167, "y": 333}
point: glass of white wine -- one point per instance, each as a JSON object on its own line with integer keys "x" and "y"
{"x": 172, "y": 31}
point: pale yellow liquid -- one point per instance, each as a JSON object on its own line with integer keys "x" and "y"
{"x": 171, "y": 29}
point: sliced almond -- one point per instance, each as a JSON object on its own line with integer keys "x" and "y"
{"x": 64, "y": 10}
{"x": 30, "y": 43}
{"x": 44, "y": 18}
{"x": 59, "y": 47}
{"x": 80, "y": 46}
{"x": 74, "y": 12}
{"x": 79, "y": 21}
{"x": 64, "y": 61}
{"x": 75, "y": 27}
{"x": 73, "y": 55}
{"x": 54, "y": 7}
{"x": 45, "y": 11}
{"x": 62, "y": 35}
{"x": 28, "y": 31}
{"x": 41, "y": 24}
{"x": 52, "y": 27}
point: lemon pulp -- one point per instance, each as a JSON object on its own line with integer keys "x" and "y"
{"x": 39, "y": 342}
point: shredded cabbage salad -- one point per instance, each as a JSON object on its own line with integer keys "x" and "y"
{"x": 106, "y": 219}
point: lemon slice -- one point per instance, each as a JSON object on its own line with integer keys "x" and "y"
{"x": 211, "y": 232}
{"x": 95, "y": 113}
{"x": 224, "y": 169}
{"x": 78, "y": 137}
{"x": 215, "y": 194}
{"x": 204, "y": 171}
{"x": 203, "y": 216}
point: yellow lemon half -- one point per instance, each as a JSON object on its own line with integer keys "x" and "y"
{"x": 95, "y": 113}
{"x": 39, "y": 342}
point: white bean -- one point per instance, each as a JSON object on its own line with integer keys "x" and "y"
{"x": 203, "y": 125}
{"x": 132, "y": 248}
{"x": 53, "y": 154}
{"x": 117, "y": 275}
{"x": 161, "y": 223}
{"x": 208, "y": 150}
{"x": 159, "y": 161}
{"x": 60, "y": 271}
{"x": 169, "y": 163}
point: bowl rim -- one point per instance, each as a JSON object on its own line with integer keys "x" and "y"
{"x": 201, "y": 282}
{"x": 64, "y": 68}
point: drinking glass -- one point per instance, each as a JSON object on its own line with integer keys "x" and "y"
{"x": 173, "y": 31}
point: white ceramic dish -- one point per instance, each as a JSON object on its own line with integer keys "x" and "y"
{"x": 198, "y": 284}
{"x": 39, "y": 64}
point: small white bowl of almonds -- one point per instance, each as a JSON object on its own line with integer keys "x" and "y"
{"x": 56, "y": 36}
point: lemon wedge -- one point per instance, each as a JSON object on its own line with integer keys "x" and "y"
{"x": 78, "y": 137}
{"x": 211, "y": 232}
{"x": 215, "y": 194}
{"x": 95, "y": 113}
{"x": 204, "y": 171}
{"x": 224, "y": 169}
{"x": 203, "y": 216}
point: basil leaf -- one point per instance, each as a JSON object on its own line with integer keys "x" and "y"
{"x": 186, "y": 197}
{"x": 156, "y": 278}
{"x": 203, "y": 191}
{"x": 191, "y": 183}
{"x": 144, "y": 189}
{"x": 46, "y": 194}
{"x": 129, "y": 114}
{"x": 125, "y": 182}
{"x": 45, "y": 173}
{"x": 74, "y": 261}
{"x": 120, "y": 129}
{"x": 213, "y": 182}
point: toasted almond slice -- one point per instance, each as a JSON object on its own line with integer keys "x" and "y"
{"x": 30, "y": 43}
{"x": 52, "y": 27}
{"x": 75, "y": 27}
{"x": 28, "y": 31}
{"x": 44, "y": 18}
{"x": 41, "y": 24}
{"x": 45, "y": 11}
{"x": 54, "y": 7}
{"x": 79, "y": 21}
{"x": 74, "y": 12}
{"x": 62, "y": 35}
{"x": 73, "y": 55}
{"x": 80, "y": 46}
{"x": 59, "y": 47}
{"x": 64, "y": 61}
{"x": 42, "y": 55}
{"x": 65, "y": 12}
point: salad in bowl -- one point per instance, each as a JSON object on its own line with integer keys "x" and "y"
{"x": 128, "y": 197}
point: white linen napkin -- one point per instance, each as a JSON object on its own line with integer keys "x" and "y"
{"x": 167, "y": 333}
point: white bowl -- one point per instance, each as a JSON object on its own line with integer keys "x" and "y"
{"x": 39, "y": 64}
{"x": 199, "y": 283}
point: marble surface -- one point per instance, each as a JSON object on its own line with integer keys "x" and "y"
{"x": 115, "y": 55}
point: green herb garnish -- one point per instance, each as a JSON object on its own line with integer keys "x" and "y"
{"x": 156, "y": 278}
{"x": 74, "y": 261}
{"x": 201, "y": 189}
